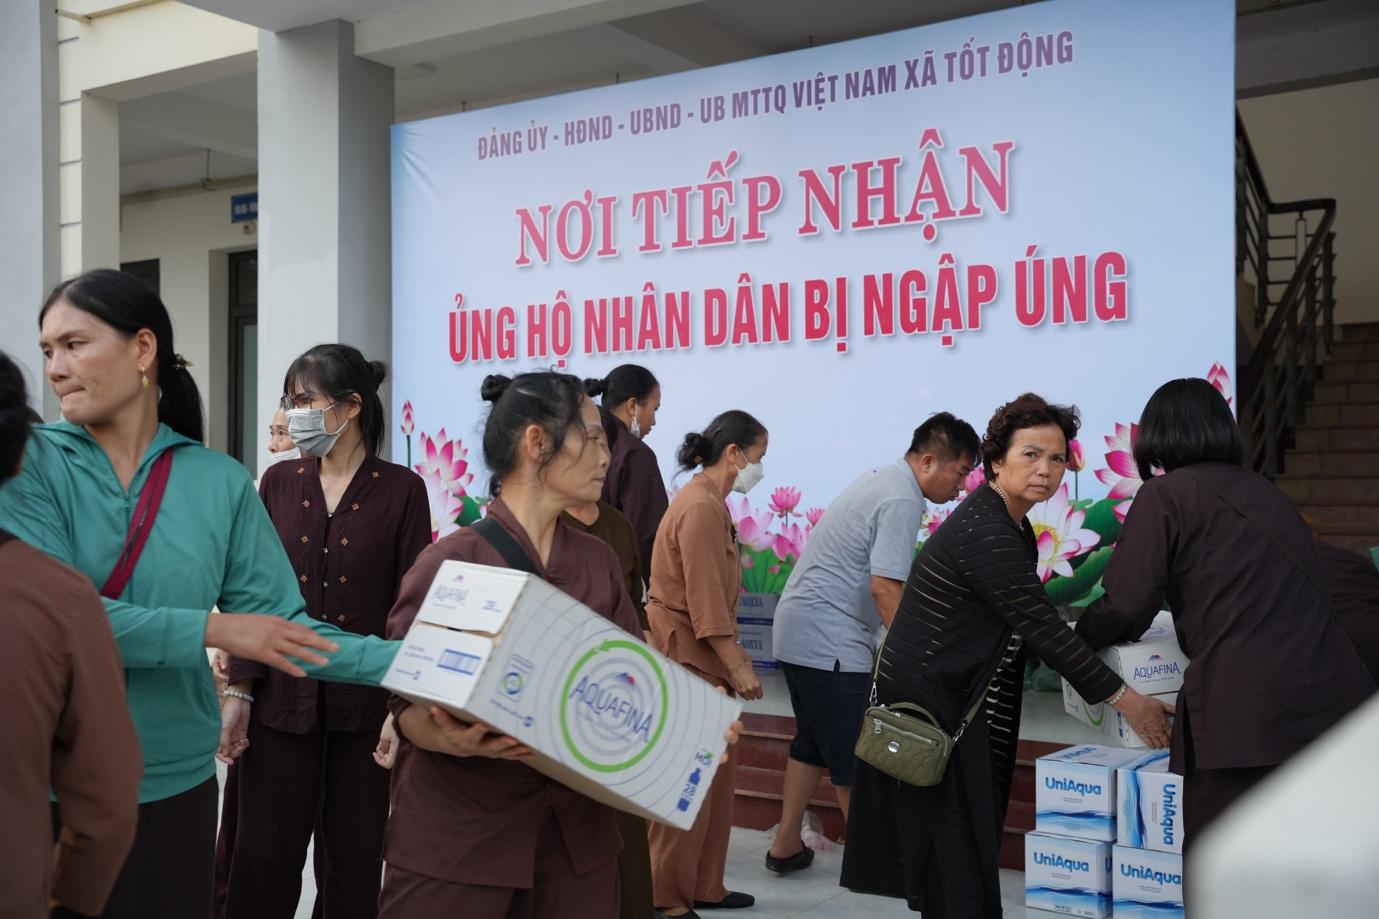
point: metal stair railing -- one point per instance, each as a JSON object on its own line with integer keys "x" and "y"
{"x": 1284, "y": 366}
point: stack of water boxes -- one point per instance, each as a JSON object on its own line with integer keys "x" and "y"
{"x": 1147, "y": 860}
{"x": 1068, "y": 857}
{"x": 1153, "y": 666}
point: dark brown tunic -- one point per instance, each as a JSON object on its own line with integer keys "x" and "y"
{"x": 68, "y": 729}
{"x": 472, "y": 820}
{"x": 615, "y": 529}
{"x": 634, "y": 485}
{"x": 1271, "y": 668}
{"x": 1354, "y": 583}
{"x": 350, "y": 565}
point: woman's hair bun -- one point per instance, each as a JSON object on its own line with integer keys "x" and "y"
{"x": 594, "y": 388}
{"x": 494, "y": 385}
{"x": 378, "y": 372}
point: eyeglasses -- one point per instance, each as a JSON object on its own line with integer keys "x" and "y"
{"x": 304, "y": 399}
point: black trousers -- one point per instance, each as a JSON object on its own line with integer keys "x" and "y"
{"x": 286, "y": 783}
{"x": 170, "y": 870}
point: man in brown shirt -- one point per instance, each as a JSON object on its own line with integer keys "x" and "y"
{"x": 66, "y": 723}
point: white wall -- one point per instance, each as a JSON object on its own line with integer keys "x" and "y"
{"x": 1324, "y": 143}
{"x": 191, "y": 236}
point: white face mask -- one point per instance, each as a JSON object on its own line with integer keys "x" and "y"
{"x": 748, "y": 477}
{"x": 307, "y": 428}
{"x": 294, "y": 453}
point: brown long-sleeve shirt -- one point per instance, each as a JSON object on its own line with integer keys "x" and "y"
{"x": 1354, "y": 584}
{"x": 1271, "y": 668}
{"x": 66, "y": 727}
{"x": 615, "y": 529}
{"x": 350, "y": 565}
{"x": 633, "y": 485}
{"x": 696, "y": 579}
{"x": 472, "y": 820}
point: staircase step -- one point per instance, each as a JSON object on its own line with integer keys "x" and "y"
{"x": 1332, "y": 462}
{"x": 1349, "y": 371}
{"x": 1355, "y": 350}
{"x": 1336, "y": 438}
{"x": 1330, "y": 415}
{"x": 758, "y": 801}
{"x": 1364, "y": 515}
{"x": 1358, "y": 331}
{"x": 1335, "y": 392}
{"x": 1309, "y": 489}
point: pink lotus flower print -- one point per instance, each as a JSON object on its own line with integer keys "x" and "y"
{"x": 445, "y": 507}
{"x": 447, "y": 460}
{"x": 408, "y": 419}
{"x": 933, "y": 520}
{"x": 1218, "y": 377}
{"x": 784, "y": 501}
{"x": 974, "y": 479}
{"x": 751, "y": 525}
{"x": 1077, "y": 461}
{"x": 790, "y": 542}
{"x": 814, "y": 515}
{"x": 1059, "y": 534}
{"x": 1123, "y": 476}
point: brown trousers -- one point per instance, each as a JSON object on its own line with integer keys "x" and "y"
{"x": 288, "y": 786}
{"x": 687, "y": 865}
{"x": 558, "y": 893}
{"x": 634, "y": 868}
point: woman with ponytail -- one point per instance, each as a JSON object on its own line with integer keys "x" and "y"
{"x": 122, "y": 490}
{"x": 474, "y": 831}
{"x": 695, "y": 582}
{"x": 630, "y": 399}
{"x": 352, "y": 524}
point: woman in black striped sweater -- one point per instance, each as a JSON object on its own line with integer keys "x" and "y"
{"x": 973, "y": 599}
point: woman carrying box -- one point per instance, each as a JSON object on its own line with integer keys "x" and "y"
{"x": 473, "y": 830}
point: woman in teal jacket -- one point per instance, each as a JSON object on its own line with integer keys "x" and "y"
{"x": 127, "y": 398}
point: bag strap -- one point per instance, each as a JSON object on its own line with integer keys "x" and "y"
{"x": 510, "y": 549}
{"x": 976, "y": 703}
{"x": 1326, "y": 595}
{"x": 140, "y": 525}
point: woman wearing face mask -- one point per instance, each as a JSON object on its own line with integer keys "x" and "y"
{"x": 352, "y": 524}
{"x": 631, "y": 397}
{"x": 132, "y": 430}
{"x": 695, "y": 582}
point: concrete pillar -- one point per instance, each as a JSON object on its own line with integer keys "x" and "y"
{"x": 325, "y": 249}
{"x": 29, "y": 236}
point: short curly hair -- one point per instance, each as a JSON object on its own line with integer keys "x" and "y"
{"x": 1027, "y": 411}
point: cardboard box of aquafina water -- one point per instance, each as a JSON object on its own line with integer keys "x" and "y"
{"x": 1068, "y": 875}
{"x": 1075, "y": 790}
{"x": 1149, "y": 807}
{"x": 1145, "y": 884}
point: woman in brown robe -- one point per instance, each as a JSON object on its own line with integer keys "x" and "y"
{"x": 474, "y": 831}
{"x": 630, "y": 399}
{"x": 1271, "y": 668}
{"x": 693, "y": 612}
{"x": 352, "y": 524}
{"x": 67, "y": 726}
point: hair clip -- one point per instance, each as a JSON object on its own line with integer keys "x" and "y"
{"x": 180, "y": 362}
